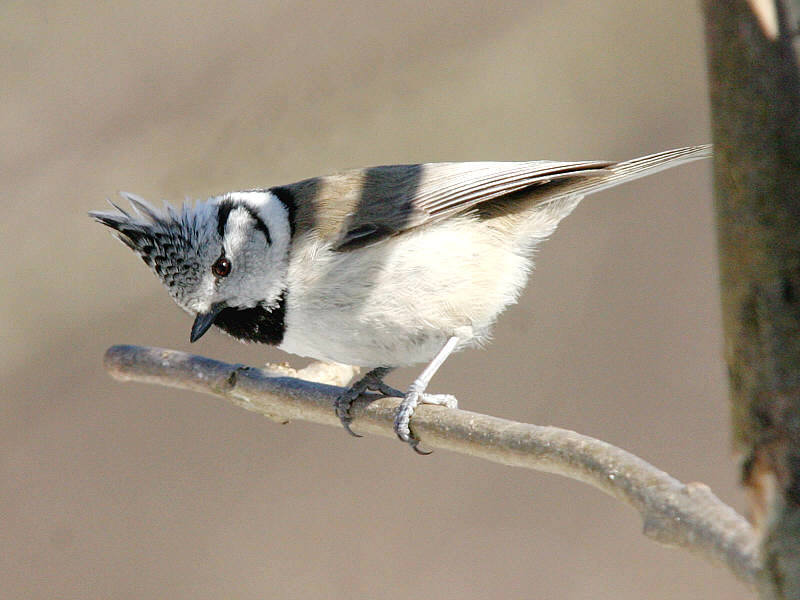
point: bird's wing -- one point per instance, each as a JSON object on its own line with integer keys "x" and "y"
{"x": 362, "y": 207}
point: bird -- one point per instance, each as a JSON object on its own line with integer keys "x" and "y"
{"x": 378, "y": 268}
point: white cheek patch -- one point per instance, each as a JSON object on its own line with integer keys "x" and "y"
{"x": 239, "y": 226}
{"x": 257, "y": 242}
{"x": 272, "y": 212}
{"x": 276, "y": 213}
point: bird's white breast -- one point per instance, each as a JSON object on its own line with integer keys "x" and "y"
{"x": 395, "y": 303}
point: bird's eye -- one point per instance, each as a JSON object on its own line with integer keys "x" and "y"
{"x": 222, "y": 267}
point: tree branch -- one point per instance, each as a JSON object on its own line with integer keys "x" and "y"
{"x": 688, "y": 516}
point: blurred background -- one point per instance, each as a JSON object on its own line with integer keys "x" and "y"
{"x": 112, "y": 490}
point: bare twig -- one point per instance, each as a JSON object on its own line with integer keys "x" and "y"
{"x": 688, "y": 516}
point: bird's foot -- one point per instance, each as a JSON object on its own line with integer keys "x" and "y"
{"x": 372, "y": 381}
{"x": 406, "y": 409}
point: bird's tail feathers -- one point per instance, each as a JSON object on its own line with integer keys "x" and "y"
{"x": 628, "y": 170}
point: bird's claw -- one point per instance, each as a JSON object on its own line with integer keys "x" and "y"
{"x": 407, "y": 407}
{"x": 346, "y": 421}
{"x": 372, "y": 381}
{"x": 342, "y": 406}
{"x": 414, "y": 443}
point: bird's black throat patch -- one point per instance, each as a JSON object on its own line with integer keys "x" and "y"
{"x": 257, "y": 324}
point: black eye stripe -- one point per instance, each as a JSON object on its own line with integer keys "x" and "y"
{"x": 260, "y": 225}
{"x": 225, "y": 208}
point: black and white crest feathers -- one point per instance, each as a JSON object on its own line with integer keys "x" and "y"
{"x": 166, "y": 242}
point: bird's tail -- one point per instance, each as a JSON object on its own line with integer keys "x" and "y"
{"x": 628, "y": 170}
{"x": 559, "y": 198}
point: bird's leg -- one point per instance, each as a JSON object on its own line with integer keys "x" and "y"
{"x": 372, "y": 381}
{"x": 416, "y": 395}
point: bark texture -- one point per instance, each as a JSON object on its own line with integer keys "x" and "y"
{"x": 755, "y": 102}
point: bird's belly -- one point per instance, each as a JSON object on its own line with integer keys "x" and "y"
{"x": 398, "y": 302}
{"x": 349, "y": 340}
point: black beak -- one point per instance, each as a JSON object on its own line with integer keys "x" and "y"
{"x": 204, "y": 321}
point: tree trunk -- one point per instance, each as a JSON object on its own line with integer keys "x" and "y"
{"x": 755, "y": 102}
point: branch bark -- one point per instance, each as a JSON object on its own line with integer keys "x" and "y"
{"x": 683, "y": 515}
{"x": 754, "y": 85}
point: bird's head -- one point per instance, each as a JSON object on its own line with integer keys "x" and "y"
{"x": 223, "y": 260}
